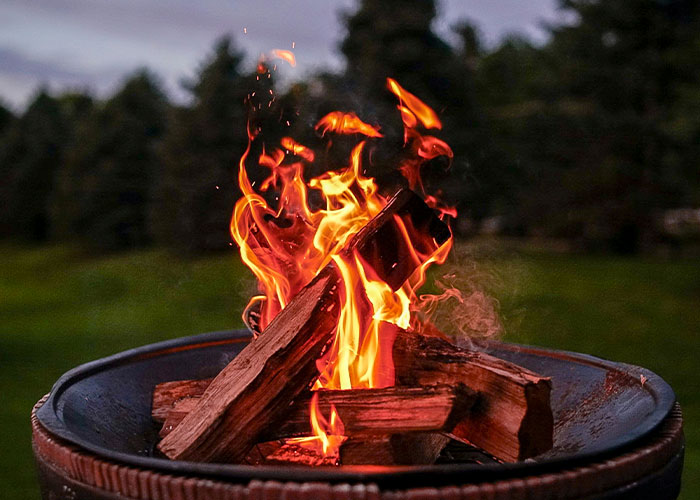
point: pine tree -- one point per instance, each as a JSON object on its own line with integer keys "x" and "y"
{"x": 105, "y": 185}
{"x": 395, "y": 39}
{"x": 614, "y": 157}
{"x": 6, "y": 118}
{"x": 197, "y": 185}
{"x": 31, "y": 150}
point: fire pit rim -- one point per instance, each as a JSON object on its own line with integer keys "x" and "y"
{"x": 49, "y": 418}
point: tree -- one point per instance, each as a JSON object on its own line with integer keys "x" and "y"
{"x": 395, "y": 39}
{"x": 105, "y": 185}
{"x": 197, "y": 184}
{"x": 31, "y": 151}
{"x": 614, "y": 162}
{"x": 6, "y": 118}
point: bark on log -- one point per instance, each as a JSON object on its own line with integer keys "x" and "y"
{"x": 363, "y": 412}
{"x": 166, "y": 394}
{"x": 295, "y": 454}
{"x": 255, "y": 389}
{"x": 272, "y": 370}
{"x": 413, "y": 448}
{"x": 520, "y": 425}
{"x": 419, "y": 448}
{"x": 511, "y": 419}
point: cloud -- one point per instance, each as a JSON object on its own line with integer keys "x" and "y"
{"x": 94, "y": 43}
{"x": 21, "y": 75}
{"x": 13, "y": 63}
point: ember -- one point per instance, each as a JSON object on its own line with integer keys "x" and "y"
{"x": 338, "y": 285}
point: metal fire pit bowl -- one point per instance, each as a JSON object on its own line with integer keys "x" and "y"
{"x": 618, "y": 434}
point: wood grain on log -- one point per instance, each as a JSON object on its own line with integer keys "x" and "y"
{"x": 166, "y": 394}
{"x": 255, "y": 389}
{"x": 415, "y": 448}
{"x": 511, "y": 419}
{"x": 412, "y": 448}
{"x": 249, "y": 393}
{"x": 363, "y": 411}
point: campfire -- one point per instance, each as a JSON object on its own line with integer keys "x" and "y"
{"x": 346, "y": 367}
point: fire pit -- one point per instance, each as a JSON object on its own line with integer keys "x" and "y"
{"x": 617, "y": 433}
{"x": 349, "y": 374}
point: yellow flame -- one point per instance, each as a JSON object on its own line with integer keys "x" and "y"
{"x": 288, "y": 244}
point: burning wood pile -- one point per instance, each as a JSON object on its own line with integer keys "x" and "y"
{"x": 345, "y": 368}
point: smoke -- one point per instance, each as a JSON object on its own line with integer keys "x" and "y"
{"x": 460, "y": 305}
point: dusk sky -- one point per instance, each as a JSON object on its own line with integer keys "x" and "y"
{"x": 93, "y": 44}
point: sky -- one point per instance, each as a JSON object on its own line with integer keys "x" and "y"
{"x": 93, "y": 44}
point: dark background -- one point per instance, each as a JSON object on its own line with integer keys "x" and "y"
{"x": 576, "y": 177}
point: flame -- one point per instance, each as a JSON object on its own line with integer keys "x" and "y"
{"x": 411, "y": 104}
{"x": 297, "y": 149}
{"x": 286, "y": 55}
{"x": 327, "y": 434}
{"x": 287, "y": 243}
{"x": 345, "y": 123}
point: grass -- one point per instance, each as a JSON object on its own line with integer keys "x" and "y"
{"x": 59, "y": 308}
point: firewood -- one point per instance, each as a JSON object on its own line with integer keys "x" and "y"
{"x": 415, "y": 448}
{"x": 520, "y": 395}
{"x": 291, "y": 453}
{"x": 178, "y": 411}
{"x": 382, "y": 241}
{"x": 511, "y": 419}
{"x": 258, "y": 454}
{"x": 363, "y": 412}
{"x": 249, "y": 392}
{"x": 255, "y": 389}
{"x": 166, "y": 394}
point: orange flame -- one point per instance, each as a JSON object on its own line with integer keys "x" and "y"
{"x": 297, "y": 149}
{"x": 327, "y": 435}
{"x": 287, "y": 244}
{"x": 286, "y": 55}
{"x": 345, "y": 123}
{"x": 417, "y": 107}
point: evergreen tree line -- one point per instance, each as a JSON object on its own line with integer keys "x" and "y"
{"x": 592, "y": 136}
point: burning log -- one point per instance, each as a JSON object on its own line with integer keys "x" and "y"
{"x": 413, "y": 448}
{"x": 254, "y": 390}
{"x": 511, "y": 419}
{"x": 249, "y": 392}
{"x": 364, "y": 412}
{"x": 294, "y": 453}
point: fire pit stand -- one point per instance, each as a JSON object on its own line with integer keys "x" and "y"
{"x": 618, "y": 434}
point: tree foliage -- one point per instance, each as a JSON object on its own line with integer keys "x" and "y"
{"x": 591, "y": 135}
{"x": 197, "y": 186}
{"x": 615, "y": 153}
{"x": 103, "y": 190}
{"x": 32, "y": 148}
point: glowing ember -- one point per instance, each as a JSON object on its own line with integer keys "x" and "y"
{"x": 288, "y": 244}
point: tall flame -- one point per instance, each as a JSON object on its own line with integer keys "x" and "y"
{"x": 286, "y": 245}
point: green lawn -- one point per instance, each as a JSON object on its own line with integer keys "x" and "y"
{"x": 59, "y": 308}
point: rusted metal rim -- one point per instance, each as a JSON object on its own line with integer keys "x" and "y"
{"x": 653, "y": 464}
{"x": 51, "y": 417}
